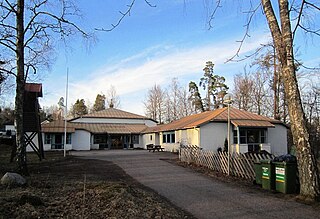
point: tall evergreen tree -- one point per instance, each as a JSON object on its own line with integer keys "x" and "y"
{"x": 100, "y": 103}
{"x": 79, "y": 108}
{"x": 215, "y": 87}
{"x": 195, "y": 97}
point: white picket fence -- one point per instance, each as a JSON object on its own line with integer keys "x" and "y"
{"x": 241, "y": 165}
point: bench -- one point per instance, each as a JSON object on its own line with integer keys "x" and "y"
{"x": 150, "y": 147}
{"x": 158, "y": 148}
{"x": 153, "y": 148}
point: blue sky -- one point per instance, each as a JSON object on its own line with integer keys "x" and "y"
{"x": 152, "y": 45}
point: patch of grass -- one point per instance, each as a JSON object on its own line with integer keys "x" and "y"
{"x": 69, "y": 187}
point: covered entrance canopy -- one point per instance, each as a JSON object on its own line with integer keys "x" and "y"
{"x": 114, "y": 136}
{"x": 251, "y": 134}
{"x": 252, "y": 123}
{"x": 115, "y": 141}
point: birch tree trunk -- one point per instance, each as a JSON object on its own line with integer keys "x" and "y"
{"x": 283, "y": 41}
{"x": 20, "y": 82}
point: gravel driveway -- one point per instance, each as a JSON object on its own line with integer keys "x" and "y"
{"x": 200, "y": 195}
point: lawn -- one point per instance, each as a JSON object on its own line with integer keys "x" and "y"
{"x": 68, "y": 187}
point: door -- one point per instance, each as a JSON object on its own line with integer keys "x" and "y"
{"x": 116, "y": 142}
{"x": 58, "y": 143}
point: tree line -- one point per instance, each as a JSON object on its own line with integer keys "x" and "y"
{"x": 80, "y": 107}
{"x": 258, "y": 89}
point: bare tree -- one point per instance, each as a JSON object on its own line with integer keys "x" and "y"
{"x": 112, "y": 98}
{"x": 27, "y": 31}
{"x": 260, "y": 93}
{"x": 174, "y": 95}
{"x": 280, "y": 24}
{"x": 310, "y": 93}
{"x": 155, "y": 103}
{"x": 243, "y": 91}
{"x": 185, "y": 105}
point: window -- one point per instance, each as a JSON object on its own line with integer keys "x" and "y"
{"x": 235, "y": 137}
{"x": 164, "y": 138}
{"x": 47, "y": 138}
{"x": 135, "y": 139}
{"x": 169, "y": 137}
{"x": 100, "y": 139}
{"x": 243, "y": 137}
{"x": 68, "y": 138}
{"x": 250, "y": 136}
{"x": 263, "y": 136}
{"x": 173, "y": 138}
{"x": 150, "y": 137}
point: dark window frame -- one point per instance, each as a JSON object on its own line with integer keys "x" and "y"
{"x": 169, "y": 137}
{"x": 47, "y": 138}
{"x": 135, "y": 139}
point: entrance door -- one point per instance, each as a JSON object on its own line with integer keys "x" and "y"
{"x": 253, "y": 140}
{"x": 58, "y": 141}
{"x": 116, "y": 142}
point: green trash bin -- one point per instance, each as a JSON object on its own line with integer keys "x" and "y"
{"x": 286, "y": 174}
{"x": 268, "y": 177}
{"x": 258, "y": 172}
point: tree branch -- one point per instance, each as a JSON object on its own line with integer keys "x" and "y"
{"x": 251, "y": 14}
{"x": 123, "y": 15}
{"x": 212, "y": 14}
{"x": 65, "y": 21}
{"x": 312, "y": 5}
{"x": 299, "y": 18}
{"x": 7, "y": 45}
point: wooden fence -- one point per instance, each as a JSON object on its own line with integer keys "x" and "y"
{"x": 241, "y": 165}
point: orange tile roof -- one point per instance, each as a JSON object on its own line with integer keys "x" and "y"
{"x": 111, "y": 128}
{"x": 217, "y": 115}
{"x": 58, "y": 127}
{"x": 252, "y": 123}
{"x": 114, "y": 113}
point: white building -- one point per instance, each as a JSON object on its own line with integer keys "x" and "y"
{"x": 117, "y": 129}
{"x": 209, "y": 130}
{"x": 107, "y": 129}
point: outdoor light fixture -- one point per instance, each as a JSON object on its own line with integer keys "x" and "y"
{"x": 228, "y": 101}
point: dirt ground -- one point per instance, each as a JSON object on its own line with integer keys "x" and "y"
{"x": 75, "y": 188}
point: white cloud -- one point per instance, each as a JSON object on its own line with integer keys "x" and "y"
{"x": 138, "y": 73}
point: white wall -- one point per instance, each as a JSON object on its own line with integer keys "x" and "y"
{"x": 141, "y": 143}
{"x": 10, "y": 127}
{"x": 277, "y": 137}
{"x": 46, "y": 147}
{"x": 150, "y": 123}
{"x": 81, "y": 140}
{"x": 146, "y": 139}
{"x": 213, "y": 135}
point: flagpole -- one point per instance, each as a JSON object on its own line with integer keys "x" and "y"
{"x": 65, "y": 116}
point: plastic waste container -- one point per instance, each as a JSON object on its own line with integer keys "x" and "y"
{"x": 258, "y": 172}
{"x": 285, "y": 174}
{"x": 268, "y": 177}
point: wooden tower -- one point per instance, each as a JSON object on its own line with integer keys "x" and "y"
{"x": 31, "y": 118}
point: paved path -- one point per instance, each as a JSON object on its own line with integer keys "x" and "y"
{"x": 201, "y": 196}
